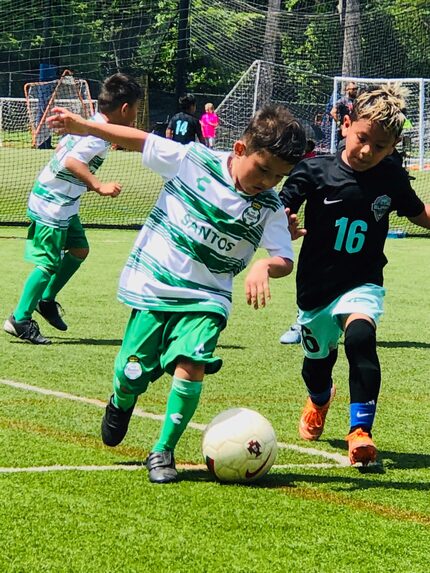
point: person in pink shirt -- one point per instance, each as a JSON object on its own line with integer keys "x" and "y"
{"x": 209, "y": 122}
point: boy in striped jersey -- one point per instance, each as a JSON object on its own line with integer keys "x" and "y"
{"x": 215, "y": 209}
{"x": 53, "y": 207}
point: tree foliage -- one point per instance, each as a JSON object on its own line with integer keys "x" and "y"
{"x": 140, "y": 37}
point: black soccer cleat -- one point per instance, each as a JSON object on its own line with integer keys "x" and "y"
{"x": 26, "y": 330}
{"x": 115, "y": 424}
{"x": 52, "y": 311}
{"x": 161, "y": 467}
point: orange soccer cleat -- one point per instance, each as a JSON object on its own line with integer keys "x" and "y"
{"x": 311, "y": 424}
{"x": 361, "y": 447}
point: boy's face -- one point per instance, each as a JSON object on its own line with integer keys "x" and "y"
{"x": 366, "y": 144}
{"x": 257, "y": 172}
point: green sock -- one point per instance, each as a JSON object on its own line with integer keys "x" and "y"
{"x": 121, "y": 399}
{"x": 69, "y": 265}
{"x": 181, "y": 404}
{"x": 31, "y": 293}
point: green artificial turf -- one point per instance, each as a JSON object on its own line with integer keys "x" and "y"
{"x": 300, "y": 517}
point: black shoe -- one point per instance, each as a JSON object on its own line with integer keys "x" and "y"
{"x": 51, "y": 311}
{"x": 161, "y": 467}
{"x": 115, "y": 424}
{"x": 27, "y": 330}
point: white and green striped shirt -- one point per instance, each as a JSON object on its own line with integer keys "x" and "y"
{"x": 200, "y": 234}
{"x": 56, "y": 194}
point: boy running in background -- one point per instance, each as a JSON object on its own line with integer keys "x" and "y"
{"x": 53, "y": 210}
{"x": 349, "y": 197}
{"x": 214, "y": 211}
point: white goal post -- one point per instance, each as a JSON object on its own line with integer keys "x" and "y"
{"x": 15, "y": 121}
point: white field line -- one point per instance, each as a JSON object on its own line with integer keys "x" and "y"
{"x": 338, "y": 459}
{"x": 133, "y": 467}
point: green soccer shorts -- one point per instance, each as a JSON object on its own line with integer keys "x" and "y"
{"x": 321, "y": 327}
{"x": 154, "y": 341}
{"x": 45, "y": 245}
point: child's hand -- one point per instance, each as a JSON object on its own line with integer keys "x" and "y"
{"x": 111, "y": 189}
{"x": 64, "y": 121}
{"x": 257, "y": 285}
{"x": 293, "y": 224}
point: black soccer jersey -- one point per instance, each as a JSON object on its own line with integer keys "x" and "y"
{"x": 185, "y": 127}
{"x": 346, "y": 217}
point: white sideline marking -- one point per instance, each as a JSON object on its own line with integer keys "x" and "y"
{"x": 133, "y": 467}
{"x": 340, "y": 460}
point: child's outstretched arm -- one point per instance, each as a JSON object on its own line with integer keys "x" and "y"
{"x": 82, "y": 172}
{"x": 64, "y": 121}
{"x": 257, "y": 289}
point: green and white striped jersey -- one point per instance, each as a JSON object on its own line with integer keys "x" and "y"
{"x": 56, "y": 194}
{"x": 200, "y": 234}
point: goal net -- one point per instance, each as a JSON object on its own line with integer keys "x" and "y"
{"x": 42, "y": 97}
{"x": 310, "y": 98}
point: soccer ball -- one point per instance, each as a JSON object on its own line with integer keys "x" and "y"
{"x": 239, "y": 445}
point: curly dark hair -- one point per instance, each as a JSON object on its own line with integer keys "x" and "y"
{"x": 274, "y": 129}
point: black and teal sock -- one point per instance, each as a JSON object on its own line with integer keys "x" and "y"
{"x": 181, "y": 404}
{"x": 122, "y": 400}
{"x": 364, "y": 373}
{"x": 69, "y": 265}
{"x": 32, "y": 292}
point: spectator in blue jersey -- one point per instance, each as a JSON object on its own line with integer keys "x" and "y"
{"x": 349, "y": 197}
{"x": 184, "y": 126}
{"x": 214, "y": 211}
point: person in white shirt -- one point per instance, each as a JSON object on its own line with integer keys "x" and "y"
{"x": 214, "y": 211}
{"x": 53, "y": 207}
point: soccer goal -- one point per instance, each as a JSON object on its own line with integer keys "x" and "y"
{"x": 310, "y": 98}
{"x": 415, "y": 143}
{"x": 41, "y": 97}
{"x": 304, "y": 94}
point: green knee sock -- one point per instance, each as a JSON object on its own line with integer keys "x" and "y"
{"x": 31, "y": 293}
{"x": 181, "y": 404}
{"x": 69, "y": 265}
{"x": 121, "y": 399}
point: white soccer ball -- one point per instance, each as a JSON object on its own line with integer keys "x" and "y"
{"x": 239, "y": 445}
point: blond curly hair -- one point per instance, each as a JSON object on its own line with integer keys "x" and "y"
{"x": 384, "y": 105}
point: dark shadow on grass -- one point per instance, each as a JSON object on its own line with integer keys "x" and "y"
{"x": 393, "y": 460}
{"x": 345, "y": 482}
{"x": 132, "y": 463}
{"x": 402, "y": 344}
{"x": 109, "y": 342}
{"x": 196, "y": 475}
{"x": 87, "y": 341}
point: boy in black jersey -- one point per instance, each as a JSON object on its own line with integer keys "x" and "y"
{"x": 184, "y": 127}
{"x": 340, "y": 271}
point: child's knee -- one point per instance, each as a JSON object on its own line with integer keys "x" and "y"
{"x": 360, "y": 337}
{"x": 79, "y": 253}
{"x": 130, "y": 376}
{"x": 189, "y": 370}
